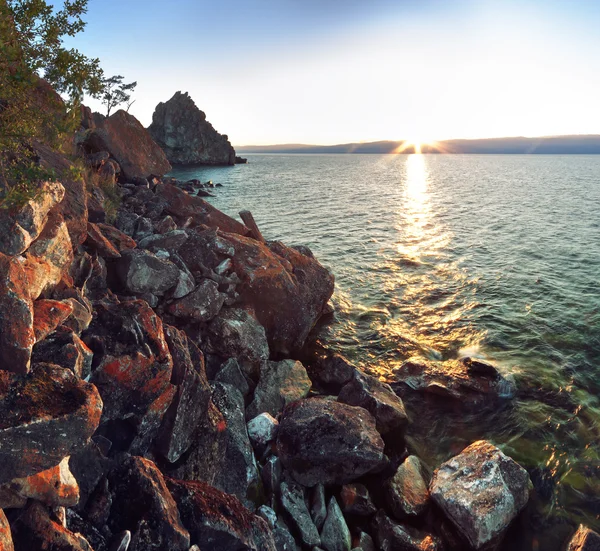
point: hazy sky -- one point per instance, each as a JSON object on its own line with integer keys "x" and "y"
{"x": 334, "y": 71}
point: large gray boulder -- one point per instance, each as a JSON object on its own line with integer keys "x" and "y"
{"x": 481, "y": 491}
{"x": 142, "y": 272}
{"x": 321, "y": 441}
{"x": 185, "y": 135}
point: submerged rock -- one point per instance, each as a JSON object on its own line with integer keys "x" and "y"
{"x": 321, "y": 441}
{"x": 481, "y": 491}
{"x": 185, "y": 135}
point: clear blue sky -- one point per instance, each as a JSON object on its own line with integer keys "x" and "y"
{"x": 332, "y": 71}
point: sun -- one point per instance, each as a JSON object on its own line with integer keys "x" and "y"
{"x": 414, "y": 144}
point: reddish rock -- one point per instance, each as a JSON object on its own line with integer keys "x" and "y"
{"x": 130, "y": 144}
{"x": 20, "y": 227}
{"x": 55, "y": 486}
{"x": 45, "y": 416}
{"x": 143, "y": 505}
{"x": 121, "y": 241}
{"x": 35, "y": 529}
{"x": 406, "y": 492}
{"x": 321, "y": 441}
{"x": 584, "y": 540}
{"x": 97, "y": 241}
{"x": 48, "y": 315}
{"x": 202, "y": 304}
{"x": 132, "y": 361}
{"x": 183, "y": 206}
{"x": 218, "y": 521}
{"x": 356, "y": 500}
{"x": 6, "y": 542}
{"x": 16, "y": 316}
{"x": 286, "y": 289}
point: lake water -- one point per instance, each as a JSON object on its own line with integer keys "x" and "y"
{"x": 446, "y": 256}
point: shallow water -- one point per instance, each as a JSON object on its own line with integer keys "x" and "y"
{"x": 446, "y": 256}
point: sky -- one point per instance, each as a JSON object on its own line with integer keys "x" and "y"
{"x": 339, "y": 71}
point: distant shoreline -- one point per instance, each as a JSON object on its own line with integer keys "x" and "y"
{"x": 551, "y": 145}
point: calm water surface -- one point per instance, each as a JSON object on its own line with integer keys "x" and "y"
{"x": 446, "y": 256}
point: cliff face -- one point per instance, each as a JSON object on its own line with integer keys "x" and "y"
{"x": 185, "y": 135}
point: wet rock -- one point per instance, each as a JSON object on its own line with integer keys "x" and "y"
{"x": 481, "y": 491}
{"x": 328, "y": 442}
{"x": 47, "y": 315}
{"x": 239, "y": 473}
{"x": 16, "y": 316}
{"x": 294, "y": 504}
{"x": 456, "y": 380}
{"x": 190, "y": 404}
{"x": 390, "y": 535}
{"x": 35, "y": 529}
{"x": 186, "y": 136}
{"x": 279, "y": 384}
{"x": 6, "y": 542}
{"x": 584, "y": 540}
{"x": 356, "y": 500}
{"x": 55, "y": 486}
{"x": 154, "y": 521}
{"x": 378, "y": 399}
{"x": 98, "y": 242}
{"x": 236, "y": 333}
{"x": 132, "y": 363}
{"x": 49, "y": 256}
{"x": 218, "y": 521}
{"x": 130, "y": 144}
{"x": 183, "y": 206}
{"x": 64, "y": 348}
{"x": 318, "y": 505}
{"x": 333, "y": 370}
{"x": 231, "y": 374}
{"x": 143, "y": 272}
{"x": 20, "y": 227}
{"x": 202, "y": 304}
{"x": 262, "y": 429}
{"x": 45, "y": 416}
{"x": 335, "y": 535}
{"x": 406, "y": 492}
{"x": 119, "y": 240}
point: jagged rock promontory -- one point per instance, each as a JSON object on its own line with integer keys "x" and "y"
{"x": 185, "y": 135}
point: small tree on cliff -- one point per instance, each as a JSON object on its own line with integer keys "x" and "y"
{"x": 116, "y": 93}
{"x": 31, "y": 47}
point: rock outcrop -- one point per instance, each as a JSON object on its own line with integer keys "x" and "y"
{"x": 185, "y": 135}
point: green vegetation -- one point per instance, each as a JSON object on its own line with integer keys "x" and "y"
{"x": 116, "y": 93}
{"x": 31, "y": 46}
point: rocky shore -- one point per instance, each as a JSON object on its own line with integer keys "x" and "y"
{"x": 156, "y": 392}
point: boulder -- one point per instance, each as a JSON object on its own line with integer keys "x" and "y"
{"x": 48, "y": 315}
{"x": 76, "y": 524}
{"x": 390, "y": 535}
{"x": 285, "y": 289}
{"x": 236, "y": 333}
{"x": 17, "y": 336}
{"x": 333, "y": 370}
{"x": 318, "y": 505}
{"x": 64, "y": 348}
{"x": 55, "y": 486}
{"x": 120, "y": 241}
{"x": 238, "y": 475}
{"x": 378, "y": 399}
{"x": 335, "y": 535}
{"x": 202, "y": 304}
{"x": 356, "y": 500}
{"x": 455, "y": 380}
{"x": 584, "y": 539}
{"x": 142, "y": 272}
{"x": 270, "y": 474}
{"x": 45, "y": 416}
{"x": 88, "y": 466}
{"x": 154, "y": 521}
{"x": 293, "y": 503}
{"x": 97, "y": 241}
{"x": 481, "y": 491}
{"x": 130, "y": 144}
{"x": 231, "y": 374}
{"x": 218, "y": 521}
{"x": 196, "y": 211}
{"x": 132, "y": 363}
{"x": 21, "y": 226}
{"x": 262, "y": 430}
{"x": 36, "y": 529}
{"x": 320, "y": 441}
{"x": 6, "y": 542}
{"x": 185, "y": 135}
{"x": 364, "y": 542}
{"x": 170, "y": 241}
{"x": 279, "y": 384}
{"x": 406, "y": 492}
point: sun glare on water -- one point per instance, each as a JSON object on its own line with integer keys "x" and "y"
{"x": 414, "y": 144}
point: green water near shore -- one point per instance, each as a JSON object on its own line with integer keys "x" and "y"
{"x": 444, "y": 256}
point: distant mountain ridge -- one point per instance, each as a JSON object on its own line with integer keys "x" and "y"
{"x": 571, "y": 144}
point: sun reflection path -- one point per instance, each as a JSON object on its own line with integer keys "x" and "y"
{"x": 428, "y": 289}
